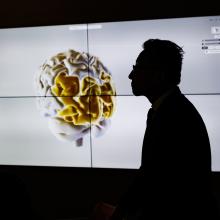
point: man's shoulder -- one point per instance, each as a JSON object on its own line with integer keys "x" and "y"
{"x": 177, "y": 107}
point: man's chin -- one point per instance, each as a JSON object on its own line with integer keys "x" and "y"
{"x": 137, "y": 92}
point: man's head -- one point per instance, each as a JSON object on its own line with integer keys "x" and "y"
{"x": 158, "y": 68}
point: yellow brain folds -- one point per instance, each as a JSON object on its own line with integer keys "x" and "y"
{"x": 82, "y": 91}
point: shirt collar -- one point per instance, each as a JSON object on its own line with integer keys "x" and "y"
{"x": 160, "y": 100}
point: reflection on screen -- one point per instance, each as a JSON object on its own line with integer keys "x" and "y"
{"x": 66, "y": 99}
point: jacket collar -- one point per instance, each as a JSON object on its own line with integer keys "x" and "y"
{"x": 169, "y": 93}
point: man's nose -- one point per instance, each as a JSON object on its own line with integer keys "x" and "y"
{"x": 130, "y": 76}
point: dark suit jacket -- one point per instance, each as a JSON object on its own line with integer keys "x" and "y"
{"x": 174, "y": 180}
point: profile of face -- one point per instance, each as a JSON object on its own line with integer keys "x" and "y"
{"x": 145, "y": 78}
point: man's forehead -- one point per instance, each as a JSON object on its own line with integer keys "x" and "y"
{"x": 143, "y": 58}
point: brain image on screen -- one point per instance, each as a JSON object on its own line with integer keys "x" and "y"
{"x": 76, "y": 93}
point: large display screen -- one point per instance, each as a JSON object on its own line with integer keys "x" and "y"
{"x": 65, "y": 96}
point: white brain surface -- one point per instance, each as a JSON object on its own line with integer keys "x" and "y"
{"x": 76, "y": 95}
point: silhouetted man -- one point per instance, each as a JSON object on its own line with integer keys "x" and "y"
{"x": 174, "y": 180}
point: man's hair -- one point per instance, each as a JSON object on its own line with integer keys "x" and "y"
{"x": 164, "y": 56}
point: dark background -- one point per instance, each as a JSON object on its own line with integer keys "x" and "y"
{"x": 59, "y": 192}
{"x": 51, "y": 12}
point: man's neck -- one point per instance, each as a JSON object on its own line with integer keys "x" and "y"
{"x": 159, "y": 98}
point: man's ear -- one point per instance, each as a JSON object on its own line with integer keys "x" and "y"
{"x": 161, "y": 76}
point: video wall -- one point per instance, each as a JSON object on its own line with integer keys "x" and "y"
{"x": 65, "y": 96}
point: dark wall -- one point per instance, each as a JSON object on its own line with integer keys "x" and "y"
{"x": 47, "y": 12}
{"x": 56, "y": 192}
{"x": 67, "y": 192}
